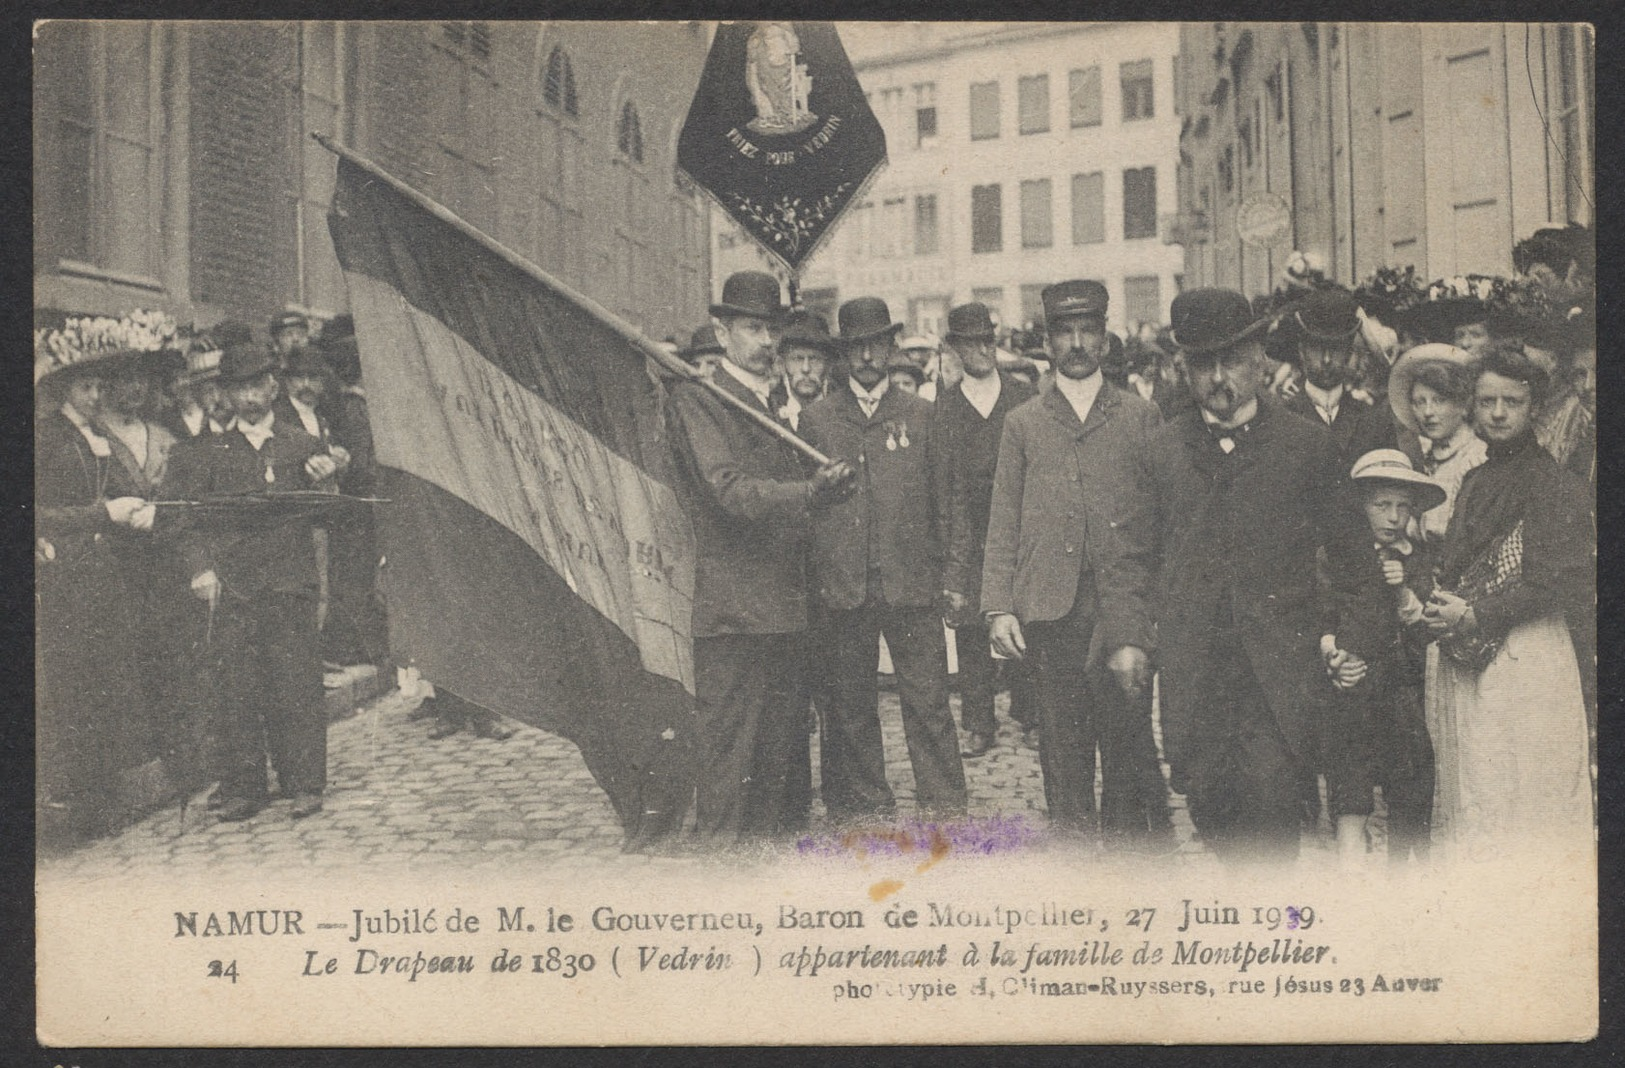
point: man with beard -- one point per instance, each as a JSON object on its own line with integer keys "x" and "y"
{"x": 1244, "y": 500}
{"x": 1325, "y": 326}
{"x": 970, "y": 422}
{"x": 258, "y": 578}
{"x": 879, "y": 571}
{"x": 805, "y": 350}
{"x": 1068, "y": 572}
{"x": 289, "y": 332}
{"x": 751, "y": 503}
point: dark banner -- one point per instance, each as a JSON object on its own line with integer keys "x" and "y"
{"x": 779, "y": 133}
{"x": 538, "y": 561}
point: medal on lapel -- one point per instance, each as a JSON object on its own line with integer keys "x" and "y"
{"x": 902, "y": 437}
{"x": 270, "y": 473}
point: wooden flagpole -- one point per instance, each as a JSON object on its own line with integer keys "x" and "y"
{"x": 631, "y": 334}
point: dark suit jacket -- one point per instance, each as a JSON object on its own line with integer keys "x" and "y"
{"x": 1365, "y": 608}
{"x": 1358, "y": 428}
{"x": 746, "y": 493}
{"x": 892, "y": 524}
{"x": 261, "y": 553}
{"x": 1069, "y": 495}
{"x": 1239, "y": 535}
{"x": 967, "y": 455}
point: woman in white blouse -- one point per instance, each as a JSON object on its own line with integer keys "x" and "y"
{"x": 1430, "y": 391}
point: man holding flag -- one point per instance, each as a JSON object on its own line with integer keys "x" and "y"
{"x": 750, "y": 501}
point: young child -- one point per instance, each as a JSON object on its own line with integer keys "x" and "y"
{"x": 1377, "y": 732}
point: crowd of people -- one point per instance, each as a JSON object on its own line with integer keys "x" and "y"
{"x": 1343, "y": 538}
{"x": 1340, "y": 541}
{"x": 181, "y": 639}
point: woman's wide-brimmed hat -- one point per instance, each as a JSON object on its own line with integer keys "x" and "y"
{"x": 1403, "y": 376}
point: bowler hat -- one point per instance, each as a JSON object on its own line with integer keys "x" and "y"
{"x": 1327, "y": 315}
{"x": 240, "y": 362}
{"x": 753, "y": 293}
{"x": 1078, "y": 296}
{"x": 864, "y": 318}
{"x": 971, "y": 321}
{"x": 900, "y": 362}
{"x": 805, "y": 329}
{"x": 1403, "y": 376}
{"x": 308, "y": 362}
{"x": 1206, "y": 320}
{"x": 288, "y": 319}
{"x": 1392, "y": 467}
{"x": 230, "y": 332}
{"x": 1437, "y": 320}
{"x": 703, "y": 342}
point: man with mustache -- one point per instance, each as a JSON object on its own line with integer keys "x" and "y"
{"x": 1244, "y": 501}
{"x": 1325, "y": 326}
{"x": 879, "y": 571}
{"x": 751, "y": 502}
{"x": 259, "y": 581}
{"x": 1067, "y": 574}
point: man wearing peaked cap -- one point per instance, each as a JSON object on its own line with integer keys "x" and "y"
{"x": 1324, "y": 326}
{"x": 750, "y": 499}
{"x": 1244, "y": 496}
{"x": 878, "y": 568}
{"x": 1066, "y": 577}
{"x": 970, "y": 421}
{"x": 259, "y": 582}
{"x": 806, "y": 351}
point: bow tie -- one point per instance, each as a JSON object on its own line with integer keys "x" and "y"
{"x": 1226, "y": 436}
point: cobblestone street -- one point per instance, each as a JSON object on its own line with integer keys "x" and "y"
{"x": 394, "y": 795}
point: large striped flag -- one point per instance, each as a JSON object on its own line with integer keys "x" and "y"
{"x": 538, "y": 562}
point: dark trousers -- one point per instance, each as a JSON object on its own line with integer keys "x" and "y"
{"x": 270, "y": 673}
{"x": 1242, "y": 776}
{"x": 1017, "y": 675}
{"x": 811, "y": 699}
{"x": 978, "y": 679}
{"x": 1081, "y": 708}
{"x": 356, "y": 631}
{"x": 852, "y": 757}
{"x": 745, "y": 686}
{"x": 1377, "y": 735}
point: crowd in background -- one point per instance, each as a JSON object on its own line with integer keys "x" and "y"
{"x": 1459, "y": 421}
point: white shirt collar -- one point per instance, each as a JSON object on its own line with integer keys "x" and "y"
{"x": 257, "y": 434}
{"x": 983, "y": 393}
{"x": 872, "y": 396}
{"x": 755, "y": 383}
{"x": 98, "y": 444}
{"x": 1145, "y": 387}
{"x": 1444, "y": 450}
{"x": 194, "y": 419}
{"x": 1327, "y": 400}
{"x": 1248, "y": 412}
{"x": 1080, "y": 392}
{"x": 307, "y": 416}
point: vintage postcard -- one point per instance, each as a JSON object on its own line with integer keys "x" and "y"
{"x": 579, "y": 533}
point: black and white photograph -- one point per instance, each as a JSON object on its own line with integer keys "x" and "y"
{"x": 780, "y": 532}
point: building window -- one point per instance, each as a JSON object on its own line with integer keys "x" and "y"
{"x": 1575, "y": 57}
{"x": 95, "y": 145}
{"x": 925, "y": 224}
{"x": 318, "y": 282}
{"x": 986, "y": 219}
{"x": 1139, "y": 203}
{"x": 559, "y": 84}
{"x": 992, "y": 297}
{"x": 893, "y": 231}
{"x": 1036, "y": 228}
{"x": 1139, "y": 95}
{"x": 1032, "y": 303}
{"x": 1142, "y": 300}
{"x": 855, "y": 231}
{"x": 925, "y": 114}
{"x": 984, "y": 111}
{"x": 1083, "y": 94}
{"x": 1227, "y": 168}
{"x": 1179, "y": 83}
{"x": 1032, "y": 100}
{"x": 1245, "y": 135}
{"x": 462, "y": 112}
{"x": 629, "y": 133}
{"x": 1088, "y": 208}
